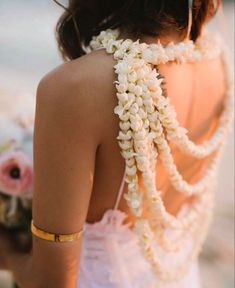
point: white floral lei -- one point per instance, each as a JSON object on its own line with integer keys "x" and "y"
{"x": 147, "y": 123}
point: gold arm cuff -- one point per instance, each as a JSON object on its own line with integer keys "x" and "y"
{"x": 55, "y": 237}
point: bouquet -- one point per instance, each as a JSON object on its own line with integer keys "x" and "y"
{"x": 16, "y": 179}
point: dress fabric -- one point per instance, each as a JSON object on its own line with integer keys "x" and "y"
{"x": 111, "y": 256}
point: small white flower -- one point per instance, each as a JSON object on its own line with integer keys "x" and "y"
{"x": 152, "y": 135}
{"x": 134, "y": 108}
{"x": 139, "y": 101}
{"x": 141, "y": 150}
{"x": 128, "y": 154}
{"x": 152, "y": 85}
{"x": 130, "y": 101}
{"x": 122, "y": 78}
{"x": 146, "y": 123}
{"x": 140, "y": 135}
{"x": 111, "y": 46}
{"x": 121, "y": 88}
{"x": 132, "y": 77}
{"x": 138, "y": 90}
{"x": 140, "y": 73}
{"x": 131, "y": 170}
{"x": 147, "y": 55}
{"x": 161, "y": 103}
{"x": 153, "y": 117}
{"x": 159, "y": 55}
{"x": 124, "y": 125}
{"x": 170, "y": 51}
{"x": 135, "y": 203}
{"x": 94, "y": 44}
{"x": 157, "y": 93}
{"x": 119, "y": 54}
{"x": 131, "y": 87}
{"x": 122, "y": 67}
{"x": 153, "y": 74}
{"x": 123, "y": 97}
{"x": 119, "y": 110}
{"x": 136, "y": 123}
{"x": 146, "y": 94}
{"x": 126, "y": 44}
{"x": 148, "y": 101}
{"x": 140, "y": 143}
{"x": 156, "y": 126}
{"x": 142, "y": 160}
{"x": 125, "y": 145}
{"x": 131, "y": 97}
{"x": 124, "y": 136}
{"x": 130, "y": 162}
{"x": 125, "y": 116}
{"x": 135, "y": 117}
{"x": 135, "y": 49}
{"x": 143, "y": 114}
{"x": 136, "y": 63}
{"x": 128, "y": 105}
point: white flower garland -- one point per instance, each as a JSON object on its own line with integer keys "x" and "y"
{"x": 147, "y": 121}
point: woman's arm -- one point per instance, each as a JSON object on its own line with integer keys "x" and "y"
{"x": 65, "y": 144}
{"x": 72, "y": 118}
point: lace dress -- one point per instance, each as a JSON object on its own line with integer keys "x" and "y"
{"x": 111, "y": 254}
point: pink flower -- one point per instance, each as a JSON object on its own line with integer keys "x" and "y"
{"x": 16, "y": 173}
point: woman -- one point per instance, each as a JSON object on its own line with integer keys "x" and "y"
{"x": 137, "y": 237}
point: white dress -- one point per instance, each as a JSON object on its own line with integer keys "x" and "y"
{"x": 111, "y": 256}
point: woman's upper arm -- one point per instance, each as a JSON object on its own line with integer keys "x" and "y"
{"x": 65, "y": 144}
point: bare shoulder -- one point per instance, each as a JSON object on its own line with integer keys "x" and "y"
{"x": 80, "y": 88}
{"x": 89, "y": 74}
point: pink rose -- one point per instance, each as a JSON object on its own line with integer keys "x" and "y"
{"x": 16, "y": 173}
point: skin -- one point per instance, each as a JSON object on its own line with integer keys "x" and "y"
{"x": 77, "y": 162}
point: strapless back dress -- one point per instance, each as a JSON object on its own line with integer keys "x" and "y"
{"x": 113, "y": 254}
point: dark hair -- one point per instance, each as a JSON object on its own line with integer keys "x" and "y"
{"x": 86, "y": 18}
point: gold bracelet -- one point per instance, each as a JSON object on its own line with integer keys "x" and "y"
{"x": 55, "y": 237}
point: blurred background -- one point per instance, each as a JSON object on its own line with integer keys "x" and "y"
{"x": 28, "y": 51}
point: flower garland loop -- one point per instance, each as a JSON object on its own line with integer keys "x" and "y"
{"x": 147, "y": 122}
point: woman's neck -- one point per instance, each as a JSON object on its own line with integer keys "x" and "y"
{"x": 171, "y": 37}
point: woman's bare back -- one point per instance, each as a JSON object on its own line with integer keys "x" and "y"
{"x": 77, "y": 153}
{"x": 196, "y": 90}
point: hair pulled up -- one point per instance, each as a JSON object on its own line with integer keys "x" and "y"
{"x": 83, "y": 19}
